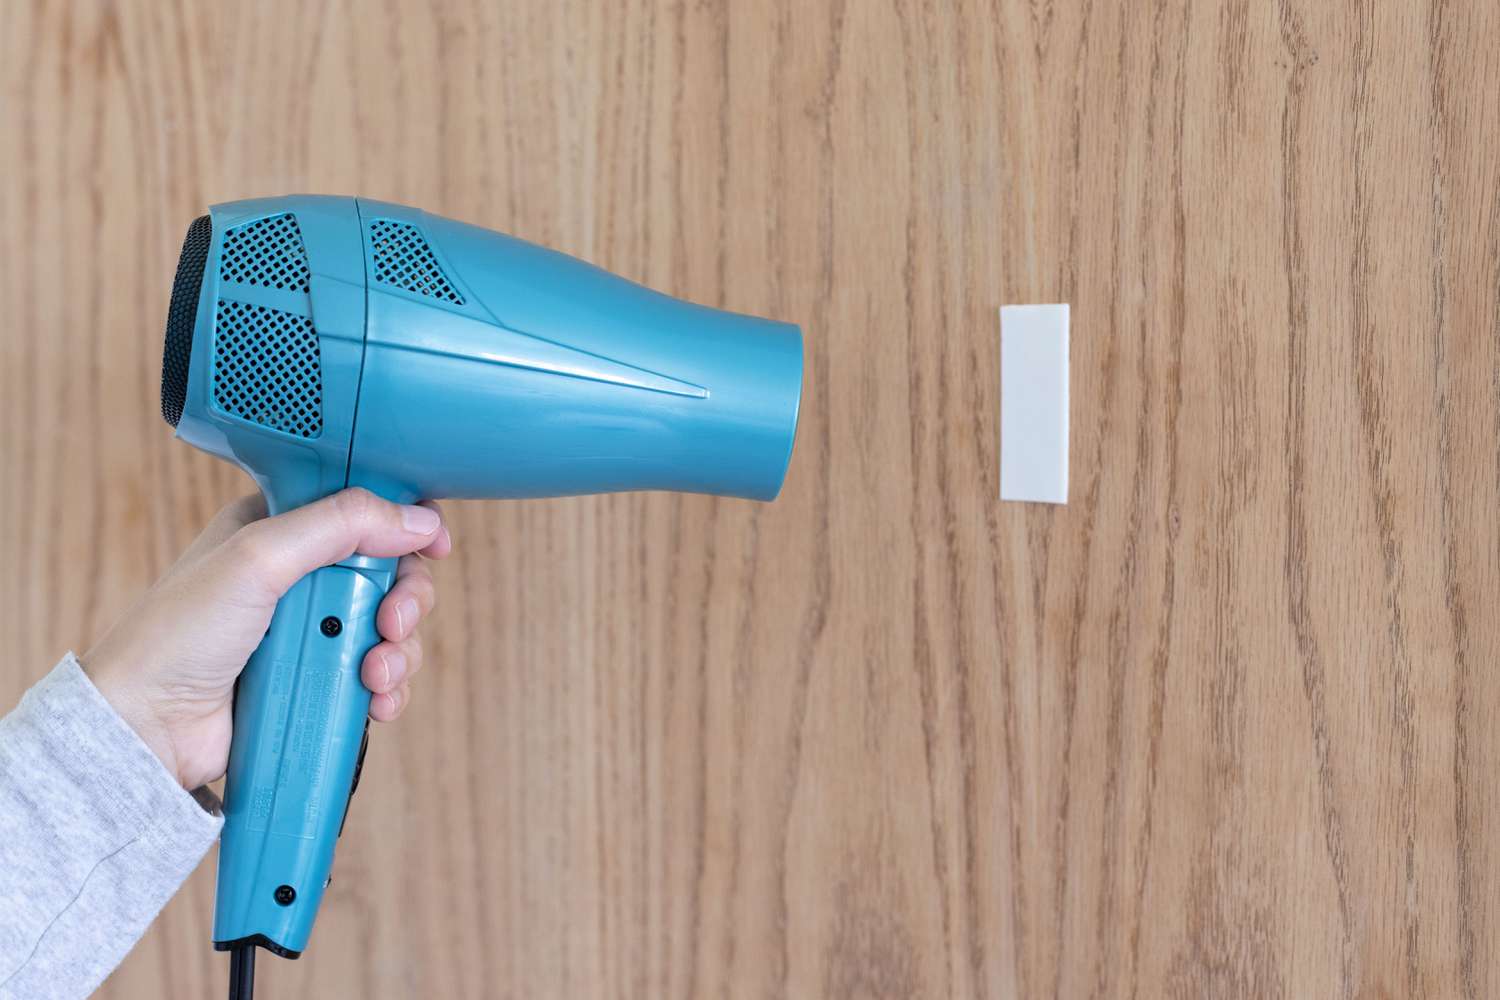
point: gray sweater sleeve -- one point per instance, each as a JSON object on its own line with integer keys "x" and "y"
{"x": 95, "y": 836}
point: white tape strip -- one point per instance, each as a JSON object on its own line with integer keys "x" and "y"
{"x": 1034, "y": 403}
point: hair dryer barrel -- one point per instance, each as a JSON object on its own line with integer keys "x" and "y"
{"x": 541, "y": 375}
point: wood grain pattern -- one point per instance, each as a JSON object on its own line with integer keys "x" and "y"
{"x": 1223, "y": 726}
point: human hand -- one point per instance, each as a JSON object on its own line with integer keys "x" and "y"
{"x": 168, "y": 665}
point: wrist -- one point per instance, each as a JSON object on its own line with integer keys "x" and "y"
{"x": 135, "y": 708}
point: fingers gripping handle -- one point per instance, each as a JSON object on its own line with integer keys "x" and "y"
{"x": 299, "y": 719}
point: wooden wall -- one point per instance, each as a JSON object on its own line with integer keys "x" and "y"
{"x": 1222, "y": 726}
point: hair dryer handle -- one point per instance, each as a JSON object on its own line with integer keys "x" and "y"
{"x": 300, "y": 718}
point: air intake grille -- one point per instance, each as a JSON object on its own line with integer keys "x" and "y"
{"x": 267, "y": 252}
{"x": 182, "y": 318}
{"x": 403, "y": 258}
{"x": 267, "y": 368}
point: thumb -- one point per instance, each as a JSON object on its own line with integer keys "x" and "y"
{"x": 280, "y": 550}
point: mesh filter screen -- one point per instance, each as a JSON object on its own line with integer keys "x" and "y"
{"x": 267, "y": 368}
{"x": 403, "y": 258}
{"x": 267, "y": 252}
{"x": 182, "y": 317}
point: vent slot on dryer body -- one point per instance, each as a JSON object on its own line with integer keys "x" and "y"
{"x": 267, "y": 364}
{"x": 267, "y": 252}
{"x": 268, "y": 368}
{"x": 401, "y": 257}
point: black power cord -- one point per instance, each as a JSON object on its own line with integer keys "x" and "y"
{"x": 241, "y": 972}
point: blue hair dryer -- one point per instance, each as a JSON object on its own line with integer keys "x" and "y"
{"x": 324, "y": 342}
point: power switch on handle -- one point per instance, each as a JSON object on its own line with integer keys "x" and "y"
{"x": 359, "y": 766}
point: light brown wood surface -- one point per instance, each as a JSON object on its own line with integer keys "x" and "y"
{"x": 1222, "y": 726}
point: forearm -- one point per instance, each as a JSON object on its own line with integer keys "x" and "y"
{"x": 95, "y": 836}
